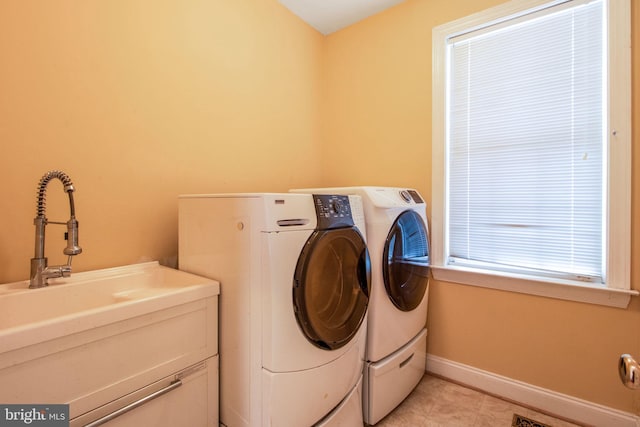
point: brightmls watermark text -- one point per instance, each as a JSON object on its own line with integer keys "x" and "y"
{"x": 34, "y": 415}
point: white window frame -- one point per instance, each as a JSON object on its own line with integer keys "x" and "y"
{"x": 616, "y": 292}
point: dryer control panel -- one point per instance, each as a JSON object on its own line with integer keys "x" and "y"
{"x": 333, "y": 211}
{"x": 411, "y": 195}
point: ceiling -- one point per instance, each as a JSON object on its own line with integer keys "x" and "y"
{"x": 328, "y": 16}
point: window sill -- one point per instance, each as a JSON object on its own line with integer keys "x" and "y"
{"x": 565, "y": 290}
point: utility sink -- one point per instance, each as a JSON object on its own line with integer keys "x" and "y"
{"x": 101, "y": 336}
{"x": 92, "y": 299}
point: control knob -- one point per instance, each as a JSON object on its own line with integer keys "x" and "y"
{"x": 406, "y": 196}
{"x": 337, "y": 206}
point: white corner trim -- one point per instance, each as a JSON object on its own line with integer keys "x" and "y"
{"x": 561, "y": 405}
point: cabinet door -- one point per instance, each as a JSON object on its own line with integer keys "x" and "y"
{"x": 188, "y": 398}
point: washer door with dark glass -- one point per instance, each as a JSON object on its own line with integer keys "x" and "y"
{"x": 405, "y": 263}
{"x": 331, "y": 286}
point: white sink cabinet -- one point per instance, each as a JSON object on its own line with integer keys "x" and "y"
{"x": 107, "y": 359}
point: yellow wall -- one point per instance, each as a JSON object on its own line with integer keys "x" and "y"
{"x": 378, "y": 117}
{"x": 142, "y": 100}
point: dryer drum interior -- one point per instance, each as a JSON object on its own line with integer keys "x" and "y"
{"x": 405, "y": 264}
{"x": 331, "y": 287}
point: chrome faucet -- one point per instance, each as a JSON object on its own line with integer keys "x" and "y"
{"x": 40, "y": 272}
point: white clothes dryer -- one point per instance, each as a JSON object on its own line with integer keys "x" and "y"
{"x": 398, "y": 241}
{"x": 294, "y": 274}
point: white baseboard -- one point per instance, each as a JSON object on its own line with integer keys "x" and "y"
{"x": 558, "y": 404}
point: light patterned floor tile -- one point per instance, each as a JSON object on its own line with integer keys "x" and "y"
{"x": 439, "y": 403}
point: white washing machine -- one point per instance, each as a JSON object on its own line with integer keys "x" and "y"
{"x": 398, "y": 242}
{"x": 294, "y": 274}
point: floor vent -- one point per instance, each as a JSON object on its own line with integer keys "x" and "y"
{"x": 520, "y": 421}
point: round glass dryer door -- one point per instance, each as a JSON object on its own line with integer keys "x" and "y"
{"x": 405, "y": 263}
{"x": 331, "y": 287}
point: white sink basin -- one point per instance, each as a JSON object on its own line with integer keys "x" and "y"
{"x": 91, "y": 299}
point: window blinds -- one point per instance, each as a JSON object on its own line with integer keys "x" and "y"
{"x": 526, "y": 144}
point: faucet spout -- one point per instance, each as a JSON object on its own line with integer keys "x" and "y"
{"x": 40, "y": 271}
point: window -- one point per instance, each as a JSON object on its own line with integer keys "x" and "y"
{"x": 532, "y": 149}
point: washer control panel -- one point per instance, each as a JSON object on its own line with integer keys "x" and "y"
{"x": 333, "y": 211}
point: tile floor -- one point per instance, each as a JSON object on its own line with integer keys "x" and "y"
{"x": 439, "y": 403}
